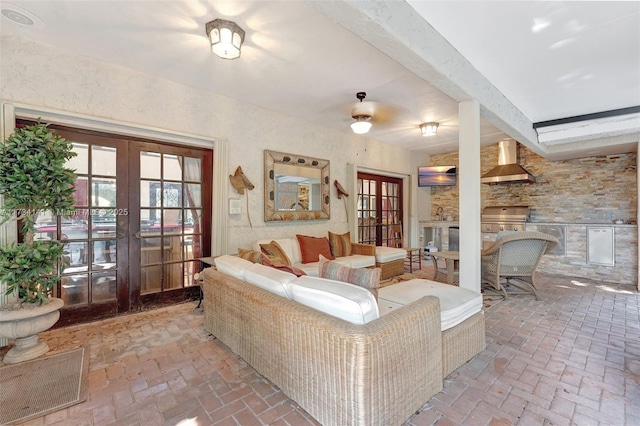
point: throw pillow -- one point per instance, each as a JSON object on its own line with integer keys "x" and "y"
{"x": 362, "y": 277}
{"x": 312, "y": 247}
{"x": 287, "y": 268}
{"x": 275, "y": 253}
{"x": 340, "y": 244}
{"x": 250, "y": 255}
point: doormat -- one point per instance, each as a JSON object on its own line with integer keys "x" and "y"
{"x": 42, "y": 386}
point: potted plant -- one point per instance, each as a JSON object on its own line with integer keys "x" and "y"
{"x": 33, "y": 180}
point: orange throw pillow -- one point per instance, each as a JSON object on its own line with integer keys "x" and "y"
{"x": 312, "y": 247}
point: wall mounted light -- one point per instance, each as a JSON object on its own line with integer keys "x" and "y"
{"x": 429, "y": 129}
{"x": 226, "y": 38}
{"x": 362, "y": 124}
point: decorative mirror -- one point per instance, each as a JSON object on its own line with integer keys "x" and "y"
{"x": 295, "y": 187}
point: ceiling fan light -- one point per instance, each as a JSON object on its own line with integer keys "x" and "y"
{"x": 226, "y": 38}
{"x": 362, "y": 124}
{"x": 429, "y": 129}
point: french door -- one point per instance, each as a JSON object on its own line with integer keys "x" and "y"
{"x": 379, "y": 205}
{"x": 142, "y": 219}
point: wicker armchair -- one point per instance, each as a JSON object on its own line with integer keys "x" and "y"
{"x": 512, "y": 261}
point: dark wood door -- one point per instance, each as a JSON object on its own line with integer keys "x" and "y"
{"x": 379, "y": 205}
{"x": 143, "y": 215}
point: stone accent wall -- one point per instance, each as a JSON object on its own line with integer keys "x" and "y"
{"x": 586, "y": 190}
{"x": 591, "y": 190}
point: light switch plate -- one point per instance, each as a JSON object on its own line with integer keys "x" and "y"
{"x": 235, "y": 207}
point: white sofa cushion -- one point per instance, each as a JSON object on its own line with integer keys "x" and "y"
{"x": 289, "y": 245}
{"x": 342, "y": 300}
{"x": 232, "y": 265}
{"x": 388, "y": 254}
{"x": 357, "y": 261}
{"x": 270, "y": 279}
{"x": 456, "y": 304}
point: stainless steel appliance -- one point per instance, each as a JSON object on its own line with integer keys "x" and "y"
{"x": 454, "y": 238}
{"x": 502, "y": 218}
{"x": 508, "y": 170}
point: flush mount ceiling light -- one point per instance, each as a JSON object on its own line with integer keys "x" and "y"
{"x": 429, "y": 129}
{"x": 17, "y": 15}
{"x": 226, "y": 38}
{"x": 363, "y": 121}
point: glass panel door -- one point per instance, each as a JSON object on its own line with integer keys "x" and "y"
{"x": 379, "y": 205}
{"x": 170, "y": 210}
{"x": 142, "y": 219}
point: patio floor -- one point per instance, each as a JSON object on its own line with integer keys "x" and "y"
{"x": 572, "y": 358}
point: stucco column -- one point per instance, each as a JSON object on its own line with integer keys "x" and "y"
{"x": 469, "y": 199}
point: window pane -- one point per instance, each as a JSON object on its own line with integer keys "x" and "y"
{"x": 151, "y": 251}
{"x": 103, "y": 192}
{"x": 80, "y": 163}
{"x": 104, "y": 254}
{"x": 150, "y": 220}
{"x": 103, "y": 160}
{"x": 150, "y": 279}
{"x": 150, "y": 165}
{"x": 74, "y": 290}
{"x": 192, "y": 170}
{"x": 81, "y": 194}
{"x": 172, "y": 276}
{"x": 172, "y": 195}
{"x": 192, "y": 195}
{"x": 172, "y": 169}
{"x": 171, "y": 222}
{"x": 103, "y": 286}
{"x": 150, "y": 193}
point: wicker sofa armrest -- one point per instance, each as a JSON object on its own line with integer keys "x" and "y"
{"x": 364, "y": 249}
{"x": 379, "y": 373}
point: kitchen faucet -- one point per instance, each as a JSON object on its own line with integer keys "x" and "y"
{"x": 440, "y": 213}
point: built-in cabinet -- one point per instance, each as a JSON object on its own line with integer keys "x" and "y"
{"x": 600, "y": 245}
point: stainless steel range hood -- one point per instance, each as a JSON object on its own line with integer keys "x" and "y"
{"x": 508, "y": 170}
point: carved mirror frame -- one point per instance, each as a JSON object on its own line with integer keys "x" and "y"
{"x": 271, "y": 159}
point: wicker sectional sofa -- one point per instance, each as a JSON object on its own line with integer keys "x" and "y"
{"x": 378, "y": 372}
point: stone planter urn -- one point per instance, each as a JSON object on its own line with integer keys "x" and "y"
{"x": 24, "y": 324}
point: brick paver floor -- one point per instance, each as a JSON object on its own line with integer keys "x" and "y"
{"x": 572, "y": 358}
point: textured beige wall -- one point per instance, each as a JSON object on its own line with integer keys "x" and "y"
{"x": 38, "y": 75}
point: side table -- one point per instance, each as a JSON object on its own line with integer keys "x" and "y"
{"x": 205, "y": 262}
{"x": 452, "y": 260}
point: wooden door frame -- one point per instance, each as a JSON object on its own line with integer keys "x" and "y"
{"x": 410, "y": 194}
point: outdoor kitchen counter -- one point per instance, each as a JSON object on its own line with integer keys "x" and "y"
{"x": 437, "y": 223}
{"x": 622, "y": 225}
{"x": 440, "y": 236}
{"x": 571, "y": 258}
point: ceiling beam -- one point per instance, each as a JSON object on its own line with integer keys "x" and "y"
{"x": 396, "y": 29}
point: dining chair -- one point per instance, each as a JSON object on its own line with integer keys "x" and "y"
{"x": 395, "y": 240}
{"x": 511, "y": 261}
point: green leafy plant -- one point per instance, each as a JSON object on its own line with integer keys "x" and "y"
{"x": 34, "y": 179}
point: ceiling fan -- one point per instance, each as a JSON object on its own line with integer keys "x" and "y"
{"x": 366, "y": 113}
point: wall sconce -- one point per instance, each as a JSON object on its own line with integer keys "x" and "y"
{"x": 429, "y": 129}
{"x": 226, "y": 38}
{"x": 362, "y": 124}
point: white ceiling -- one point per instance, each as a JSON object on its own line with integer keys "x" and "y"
{"x": 524, "y": 61}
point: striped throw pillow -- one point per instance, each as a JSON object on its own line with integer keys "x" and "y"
{"x": 276, "y": 253}
{"x": 362, "y": 277}
{"x": 340, "y": 244}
